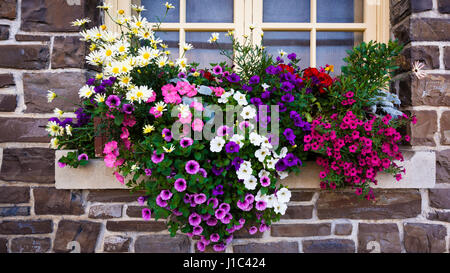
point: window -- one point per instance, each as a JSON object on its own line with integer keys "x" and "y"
{"x": 319, "y": 31}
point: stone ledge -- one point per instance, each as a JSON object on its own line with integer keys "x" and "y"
{"x": 420, "y": 174}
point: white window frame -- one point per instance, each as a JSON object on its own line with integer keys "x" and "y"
{"x": 375, "y": 24}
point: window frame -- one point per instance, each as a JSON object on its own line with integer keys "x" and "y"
{"x": 375, "y": 24}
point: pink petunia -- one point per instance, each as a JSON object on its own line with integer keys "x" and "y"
{"x": 197, "y": 125}
{"x": 119, "y": 177}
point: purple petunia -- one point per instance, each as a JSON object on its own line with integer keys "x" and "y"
{"x": 265, "y": 181}
{"x": 232, "y": 147}
{"x": 291, "y": 160}
{"x": 214, "y": 237}
{"x": 113, "y": 101}
{"x": 289, "y": 135}
{"x": 254, "y": 80}
{"x": 181, "y": 75}
{"x": 217, "y": 171}
{"x": 253, "y": 230}
{"x": 156, "y": 158}
{"x": 217, "y": 70}
{"x": 280, "y": 166}
{"x": 195, "y": 219}
{"x": 237, "y": 161}
{"x": 180, "y": 185}
{"x": 227, "y": 218}
{"x": 146, "y": 214}
{"x": 148, "y": 172}
{"x": 128, "y": 108}
{"x": 214, "y": 201}
{"x": 200, "y": 198}
{"x": 203, "y": 172}
{"x": 292, "y": 56}
{"x": 225, "y": 206}
{"x": 192, "y": 167}
{"x": 165, "y": 195}
{"x": 218, "y": 190}
{"x": 160, "y": 202}
{"x": 234, "y": 78}
{"x": 287, "y": 97}
{"x": 220, "y": 213}
{"x": 167, "y": 134}
{"x": 261, "y": 205}
{"x": 197, "y": 230}
{"x": 186, "y": 142}
{"x": 287, "y": 86}
{"x": 211, "y": 222}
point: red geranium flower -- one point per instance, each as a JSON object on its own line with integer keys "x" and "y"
{"x": 286, "y": 68}
{"x": 309, "y": 72}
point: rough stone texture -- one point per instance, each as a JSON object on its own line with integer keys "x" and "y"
{"x": 30, "y": 245}
{"x": 444, "y": 6}
{"x": 447, "y": 57}
{"x": 4, "y": 32}
{"x": 300, "y": 230}
{"x": 84, "y": 232}
{"x": 162, "y": 244}
{"x": 422, "y": 133}
{"x": 23, "y": 130}
{"x": 443, "y": 166}
{"x": 24, "y": 56}
{"x": 56, "y": 15}
{"x": 440, "y": 198}
{"x": 8, "y": 9}
{"x": 6, "y": 80}
{"x": 431, "y": 90}
{"x": 3, "y": 245}
{"x": 428, "y": 55}
{"x": 32, "y": 38}
{"x": 386, "y": 235}
{"x": 443, "y": 216}
{"x": 138, "y": 226}
{"x": 134, "y": 211}
{"x": 403, "y": 8}
{"x": 8, "y": 103}
{"x": 298, "y": 212}
{"x": 35, "y": 165}
{"x": 14, "y": 195}
{"x": 422, "y": 29}
{"x": 343, "y": 229}
{"x": 105, "y": 211}
{"x": 329, "y": 246}
{"x": 14, "y": 211}
{"x": 389, "y": 204}
{"x": 276, "y": 247}
{"x": 26, "y": 227}
{"x": 243, "y": 234}
{"x": 57, "y": 202}
{"x": 112, "y": 196}
{"x": 65, "y": 84}
{"x": 445, "y": 128}
{"x": 301, "y": 196}
{"x": 424, "y": 238}
{"x": 68, "y": 52}
{"x": 116, "y": 244}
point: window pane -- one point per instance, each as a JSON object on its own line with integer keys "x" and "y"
{"x": 340, "y": 11}
{"x": 156, "y": 9}
{"x": 171, "y": 39}
{"x": 286, "y": 11}
{"x": 332, "y": 47}
{"x": 209, "y": 11}
{"x": 290, "y": 42}
{"x": 205, "y": 53}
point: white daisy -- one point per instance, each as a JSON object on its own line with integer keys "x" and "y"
{"x": 86, "y": 91}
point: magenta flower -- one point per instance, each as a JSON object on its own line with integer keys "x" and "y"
{"x": 201, "y": 246}
{"x": 219, "y": 247}
{"x": 192, "y": 167}
{"x": 83, "y": 157}
{"x": 148, "y": 172}
{"x": 167, "y": 135}
{"x": 195, "y": 219}
{"x": 261, "y": 205}
{"x": 141, "y": 200}
{"x": 165, "y": 195}
{"x": 265, "y": 181}
{"x": 232, "y": 147}
{"x": 227, "y": 218}
{"x": 180, "y": 185}
{"x": 253, "y": 230}
{"x": 197, "y": 230}
{"x": 146, "y": 214}
{"x": 197, "y": 125}
{"x": 157, "y": 158}
{"x": 214, "y": 237}
{"x": 61, "y": 165}
{"x": 200, "y": 198}
{"x": 113, "y": 101}
{"x": 250, "y": 198}
{"x": 186, "y": 142}
{"x": 203, "y": 172}
{"x": 214, "y": 201}
{"x": 217, "y": 70}
{"x": 119, "y": 177}
{"x": 160, "y": 202}
{"x": 225, "y": 207}
{"x": 211, "y": 222}
{"x": 220, "y": 213}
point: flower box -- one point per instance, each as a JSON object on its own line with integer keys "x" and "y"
{"x": 420, "y": 173}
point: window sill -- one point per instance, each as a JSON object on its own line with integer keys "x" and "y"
{"x": 420, "y": 174}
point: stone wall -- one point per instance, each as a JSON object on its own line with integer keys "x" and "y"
{"x": 39, "y": 50}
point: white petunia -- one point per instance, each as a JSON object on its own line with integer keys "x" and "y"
{"x": 217, "y": 144}
{"x": 262, "y": 153}
{"x": 283, "y": 195}
{"x": 283, "y": 175}
{"x": 270, "y": 200}
{"x": 238, "y": 139}
{"x": 279, "y": 207}
{"x": 240, "y": 98}
{"x": 263, "y": 173}
{"x": 255, "y": 139}
{"x": 271, "y": 163}
{"x": 265, "y": 86}
{"x": 249, "y": 112}
{"x": 251, "y": 183}
{"x": 282, "y": 154}
{"x": 266, "y": 143}
{"x": 244, "y": 172}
